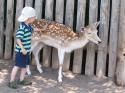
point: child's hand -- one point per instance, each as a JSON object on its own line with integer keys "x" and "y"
{"x": 37, "y": 29}
{"x": 24, "y": 52}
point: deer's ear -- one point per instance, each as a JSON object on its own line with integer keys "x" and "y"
{"x": 96, "y": 24}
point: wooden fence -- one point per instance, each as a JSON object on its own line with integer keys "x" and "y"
{"x": 91, "y": 60}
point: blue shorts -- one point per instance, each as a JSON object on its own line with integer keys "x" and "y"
{"x": 22, "y": 60}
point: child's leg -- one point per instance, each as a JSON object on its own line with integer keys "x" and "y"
{"x": 13, "y": 73}
{"x": 22, "y": 78}
{"x": 25, "y": 62}
{"x": 22, "y": 75}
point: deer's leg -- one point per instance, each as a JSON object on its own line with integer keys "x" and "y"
{"x": 28, "y": 70}
{"x": 33, "y": 45}
{"x": 61, "y": 54}
{"x": 36, "y": 51}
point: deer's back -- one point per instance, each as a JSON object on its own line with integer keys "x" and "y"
{"x": 54, "y": 30}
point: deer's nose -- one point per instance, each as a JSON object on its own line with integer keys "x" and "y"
{"x": 99, "y": 42}
{"x": 124, "y": 54}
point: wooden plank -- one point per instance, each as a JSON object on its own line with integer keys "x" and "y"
{"x": 58, "y": 18}
{"x": 55, "y": 60}
{"x": 19, "y": 7}
{"x": 49, "y": 9}
{"x": 28, "y": 2}
{"x": 1, "y": 27}
{"x": 38, "y": 8}
{"x": 47, "y": 49}
{"x": 90, "y": 58}
{"x": 69, "y": 22}
{"x": 9, "y": 30}
{"x": 120, "y": 69}
{"x": 59, "y": 11}
{"x": 103, "y": 33}
{"x": 77, "y": 62}
{"x": 113, "y": 38}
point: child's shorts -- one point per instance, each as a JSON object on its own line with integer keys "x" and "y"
{"x": 22, "y": 60}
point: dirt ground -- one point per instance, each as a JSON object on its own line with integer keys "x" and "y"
{"x": 47, "y": 82}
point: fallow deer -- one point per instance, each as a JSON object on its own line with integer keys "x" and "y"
{"x": 61, "y": 37}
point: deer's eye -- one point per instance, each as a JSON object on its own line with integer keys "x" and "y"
{"x": 89, "y": 33}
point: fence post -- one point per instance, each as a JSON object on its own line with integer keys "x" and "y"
{"x": 28, "y": 2}
{"x": 69, "y": 22}
{"x": 113, "y": 38}
{"x": 103, "y": 33}
{"x": 90, "y": 58}
{"x": 38, "y": 8}
{"x": 120, "y": 69}
{"x": 47, "y": 49}
{"x": 19, "y": 7}
{"x": 9, "y": 30}
{"x": 58, "y": 18}
{"x": 1, "y": 27}
{"x": 77, "y": 62}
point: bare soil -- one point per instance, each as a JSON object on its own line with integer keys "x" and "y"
{"x": 47, "y": 82}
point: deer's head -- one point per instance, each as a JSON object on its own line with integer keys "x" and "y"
{"x": 90, "y": 33}
{"x": 123, "y": 52}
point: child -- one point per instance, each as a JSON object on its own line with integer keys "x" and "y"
{"x": 23, "y": 45}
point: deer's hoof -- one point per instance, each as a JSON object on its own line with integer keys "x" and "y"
{"x": 40, "y": 71}
{"x": 29, "y": 74}
{"x": 59, "y": 80}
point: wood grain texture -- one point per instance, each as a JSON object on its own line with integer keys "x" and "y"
{"x": 77, "y": 62}
{"x": 69, "y": 22}
{"x": 103, "y": 33}
{"x": 1, "y": 27}
{"x": 49, "y": 16}
{"x": 58, "y": 18}
{"x": 113, "y": 37}
{"x": 9, "y": 30}
{"x": 90, "y": 57}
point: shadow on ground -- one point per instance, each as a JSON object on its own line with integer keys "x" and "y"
{"x": 47, "y": 82}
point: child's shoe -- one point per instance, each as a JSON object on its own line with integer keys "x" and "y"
{"x": 24, "y": 82}
{"x": 13, "y": 85}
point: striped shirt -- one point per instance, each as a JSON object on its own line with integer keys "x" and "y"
{"x": 24, "y": 33}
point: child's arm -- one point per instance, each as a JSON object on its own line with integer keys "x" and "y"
{"x": 21, "y": 46}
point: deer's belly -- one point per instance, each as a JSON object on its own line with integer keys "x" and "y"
{"x": 51, "y": 43}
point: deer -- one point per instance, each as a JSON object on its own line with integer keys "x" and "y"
{"x": 61, "y": 37}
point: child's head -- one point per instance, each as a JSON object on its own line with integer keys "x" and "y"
{"x": 27, "y": 15}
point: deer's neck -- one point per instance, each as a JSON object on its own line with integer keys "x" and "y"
{"x": 82, "y": 39}
{"x": 78, "y": 43}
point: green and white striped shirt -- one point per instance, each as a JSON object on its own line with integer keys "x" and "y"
{"x": 24, "y": 33}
